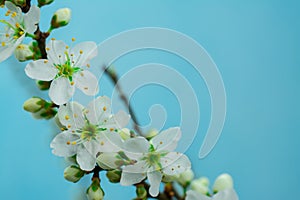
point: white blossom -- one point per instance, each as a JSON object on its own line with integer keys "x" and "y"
{"x": 153, "y": 159}
{"x": 88, "y": 131}
{"x": 64, "y": 67}
{"x": 16, "y": 28}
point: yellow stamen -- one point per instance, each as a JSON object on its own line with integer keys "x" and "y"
{"x": 102, "y": 143}
{"x": 68, "y": 142}
{"x": 73, "y": 39}
{"x": 73, "y": 143}
{"x": 7, "y": 13}
{"x": 67, "y": 117}
{"x": 62, "y": 129}
{"x": 52, "y": 39}
{"x": 21, "y": 32}
{"x": 104, "y": 108}
{"x": 67, "y": 47}
{"x": 14, "y": 14}
{"x": 17, "y": 25}
{"x": 15, "y": 37}
{"x": 81, "y": 52}
{"x": 7, "y": 35}
{"x": 3, "y": 44}
{"x": 47, "y": 49}
{"x": 88, "y": 65}
{"x": 45, "y": 61}
{"x": 86, "y": 88}
{"x": 111, "y": 129}
{"x": 72, "y": 83}
{"x": 69, "y": 126}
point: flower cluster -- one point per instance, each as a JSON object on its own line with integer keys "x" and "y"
{"x": 94, "y": 138}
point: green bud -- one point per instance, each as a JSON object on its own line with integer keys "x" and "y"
{"x": 33, "y": 104}
{"x": 141, "y": 192}
{"x": 109, "y": 161}
{"x": 20, "y": 3}
{"x": 169, "y": 178}
{"x": 23, "y": 52}
{"x": 45, "y": 113}
{"x": 114, "y": 176}
{"x": 61, "y": 18}
{"x": 43, "y": 85}
{"x": 95, "y": 192}
{"x": 185, "y": 178}
{"x": 151, "y": 133}
{"x": 44, "y": 2}
{"x": 125, "y": 133}
{"x": 223, "y": 182}
{"x": 200, "y": 185}
{"x": 73, "y": 173}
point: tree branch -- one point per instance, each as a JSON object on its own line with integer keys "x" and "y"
{"x": 114, "y": 78}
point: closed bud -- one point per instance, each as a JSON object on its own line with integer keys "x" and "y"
{"x": 125, "y": 133}
{"x": 141, "y": 192}
{"x": 95, "y": 192}
{"x": 43, "y": 85}
{"x": 44, "y": 113}
{"x": 108, "y": 160}
{"x": 33, "y": 104}
{"x": 20, "y": 3}
{"x": 73, "y": 173}
{"x": 223, "y": 182}
{"x": 185, "y": 178}
{"x": 114, "y": 176}
{"x": 151, "y": 133}
{"x": 200, "y": 185}
{"x": 169, "y": 178}
{"x": 23, "y": 53}
{"x": 61, "y": 18}
{"x": 44, "y": 2}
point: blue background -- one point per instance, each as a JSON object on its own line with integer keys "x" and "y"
{"x": 256, "y": 47}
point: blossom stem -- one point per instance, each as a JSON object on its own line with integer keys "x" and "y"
{"x": 114, "y": 78}
{"x": 41, "y": 37}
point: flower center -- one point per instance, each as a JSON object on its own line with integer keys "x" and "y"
{"x": 153, "y": 160}
{"x": 67, "y": 69}
{"x": 89, "y": 132}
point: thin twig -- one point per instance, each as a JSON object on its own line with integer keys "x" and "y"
{"x": 114, "y": 78}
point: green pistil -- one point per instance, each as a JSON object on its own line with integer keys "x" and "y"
{"x": 66, "y": 69}
{"x": 153, "y": 159}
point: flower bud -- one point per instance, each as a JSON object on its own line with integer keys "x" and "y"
{"x": 61, "y": 18}
{"x": 223, "y": 182}
{"x": 169, "y": 178}
{"x": 73, "y": 173}
{"x": 20, "y": 3}
{"x": 33, "y": 104}
{"x": 23, "y": 53}
{"x": 151, "y": 133}
{"x": 141, "y": 192}
{"x": 43, "y": 85}
{"x": 95, "y": 192}
{"x": 45, "y": 113}
{"x": 114, "y": 176}
{"x": 44, "y": 2}
{"x": 125, "y": 133}
{"x": 108, "y": 160}
{"x": 200, "y": 185}
{"x": 185, "y": 178}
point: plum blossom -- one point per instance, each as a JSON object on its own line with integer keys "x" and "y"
{"x": 154, "y": 158}
{"x": 88, "y": 131}
{"x": 64, "y": 67}
{"x": 16, "y": 28}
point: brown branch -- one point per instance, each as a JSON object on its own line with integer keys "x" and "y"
{"x": 26, "y": 7}
{"x": 41, "y": 40}
{"x": 114, "y": 78}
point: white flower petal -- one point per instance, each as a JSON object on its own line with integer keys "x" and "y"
{"x": 154, "y": 180}
{"x": 56, "y": 51}
{"x": 109, "y": 142}
{"x": 131, "y": 178}
{"x": 83, "y": 52}
{"x": 175, "y": 163}
{"x": 98, "y": 110}
{"x": 60, "y": 146}
{"x": 31, "y": 19}
{"x": 70, "y": 115}
{"x": 193, "y": 195}
{"x": 61, "y": 90}
{"x": 136, "y": 145}
{"x": 122, "y": 119}
{"x": 167, "y": 140}
{"x": 41, "y": 70}
{"x": 93, "y": 147}
{"x": 228, "y": 194}
{"x": 12, "y": 7}
{"x": 86, "y": 82}
{"x": 85, "y": 160}
{"x": 8, "y": 49}
{"x": 140, "y": 167}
